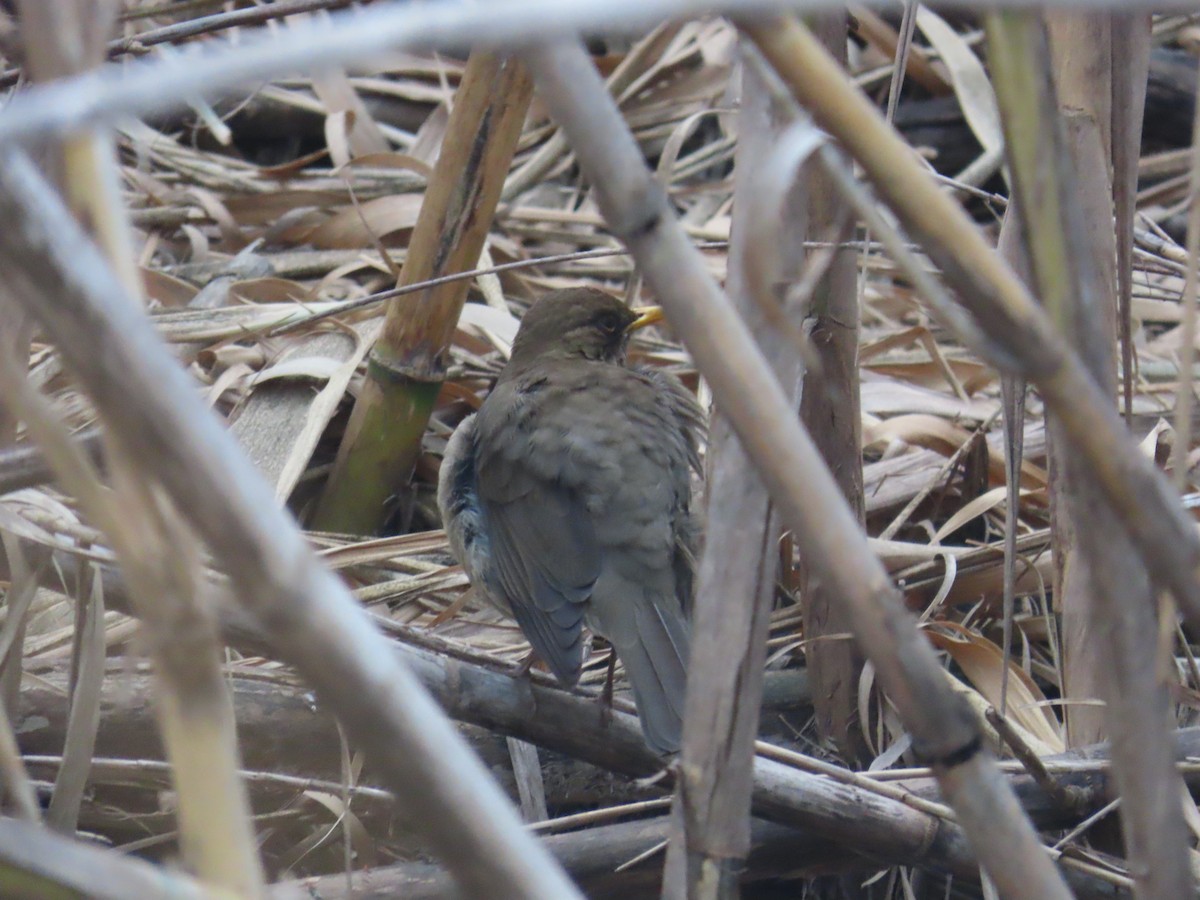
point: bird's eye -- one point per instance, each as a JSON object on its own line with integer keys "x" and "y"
{"x": 611, "y": 322}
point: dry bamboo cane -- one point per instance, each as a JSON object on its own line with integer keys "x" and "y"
{"x": 831, "y": 410}
{"x": 944, "y": 731}
{"x": 782, "y": 198}
{"x": 1090, "y": 553}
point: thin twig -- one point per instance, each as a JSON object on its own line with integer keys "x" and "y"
{"x": 858, "y": 779}
{"x": 1069, "y": 798}
{"x": 417, "y": 287}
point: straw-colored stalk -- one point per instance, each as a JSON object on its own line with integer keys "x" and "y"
{"x": 195, "y": 711}
{"x": 405, "y": 369}
{"x": 159, "y": 558}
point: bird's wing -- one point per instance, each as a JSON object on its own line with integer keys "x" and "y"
{"x": 691, "y": 428}
{"x": 546, "y": 559}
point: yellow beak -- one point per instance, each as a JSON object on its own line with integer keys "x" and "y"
{"x": 647, "y": 315}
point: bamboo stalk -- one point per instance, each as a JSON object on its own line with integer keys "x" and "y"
{"x": 1011, "y": 247}
{"x": 199, "y": 733}
{"x": 741, "y": 558}
{"x": 1090, "y": 552}
{"x": 194, "y": 707}
{"x": 831, "y": 410}
{"x": 196, "y": 712}
{"x": 944, "y": 731}
{"x": 405, "y": 369}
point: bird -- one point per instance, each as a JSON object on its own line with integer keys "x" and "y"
{"x": 567, "y": 499}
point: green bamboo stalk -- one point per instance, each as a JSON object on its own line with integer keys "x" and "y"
{"x": 406, "y": 366}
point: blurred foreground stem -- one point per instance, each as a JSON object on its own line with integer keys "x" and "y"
{"x": 158, "y": 553}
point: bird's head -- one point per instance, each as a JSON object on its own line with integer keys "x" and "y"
{"x": 578, "y": 323}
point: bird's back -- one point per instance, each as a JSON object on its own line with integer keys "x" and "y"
{"x": 582, "y": 476}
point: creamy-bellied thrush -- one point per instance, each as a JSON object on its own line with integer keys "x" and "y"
{"x": 567, "y": 500}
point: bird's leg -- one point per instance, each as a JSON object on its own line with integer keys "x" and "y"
{"x": 606, "y": 694}
{"x": 526, "y": 665}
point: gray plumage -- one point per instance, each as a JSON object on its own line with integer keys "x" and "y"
{"x": 567, "y": 500}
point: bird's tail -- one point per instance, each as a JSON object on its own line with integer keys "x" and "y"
{"x": 656, "y": 663}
